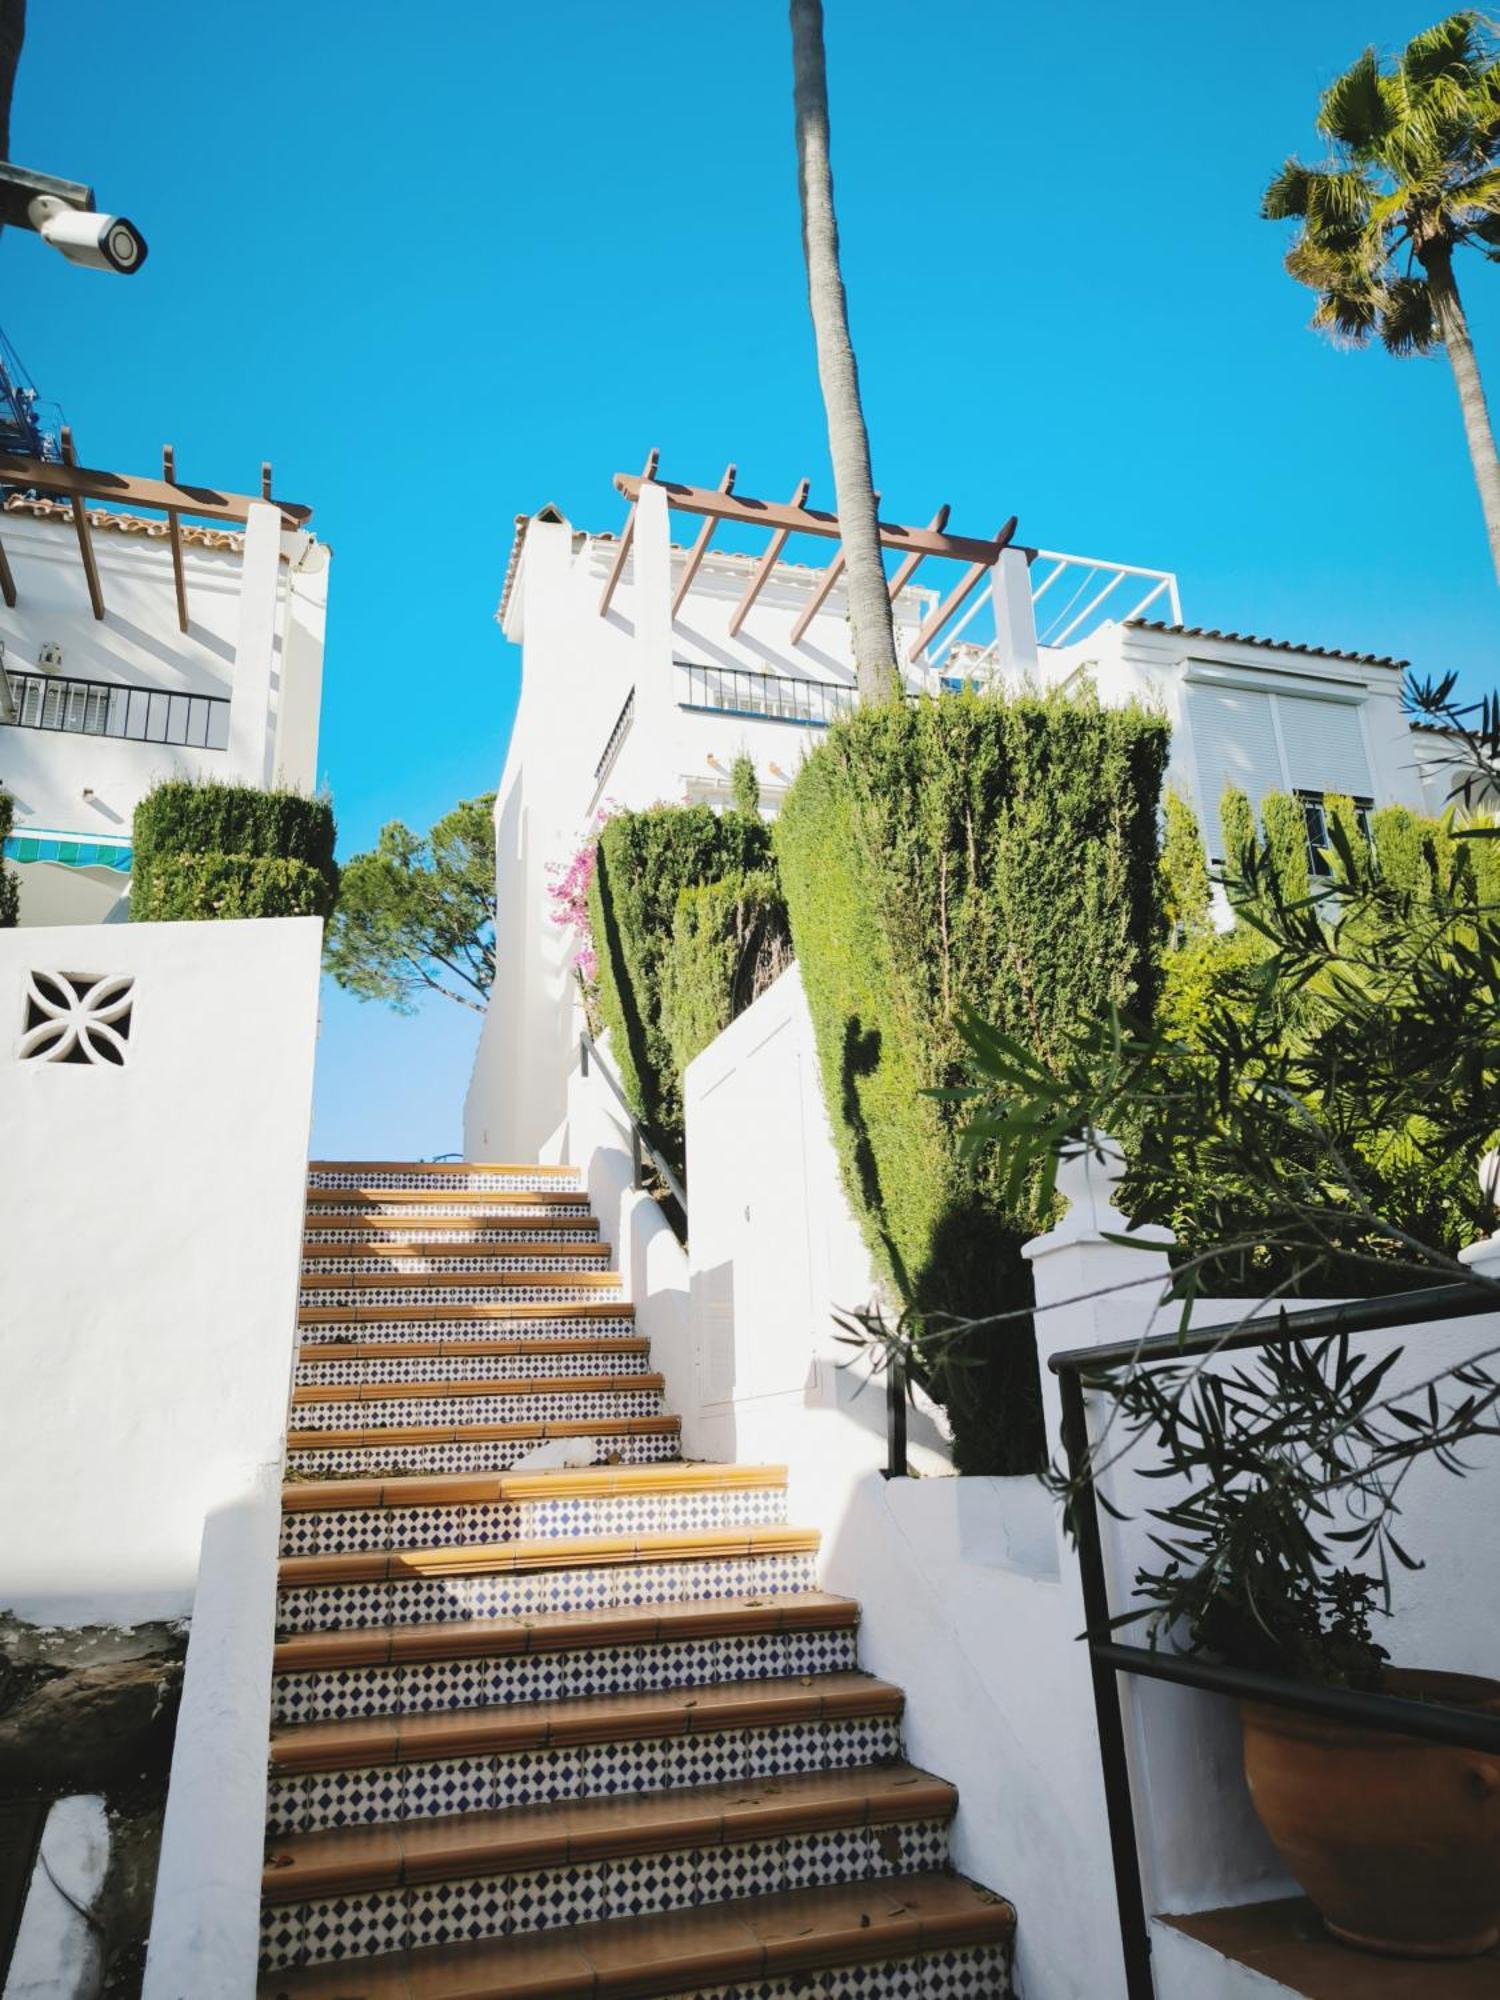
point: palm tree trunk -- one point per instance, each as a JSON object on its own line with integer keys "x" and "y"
{"x": 1454, "y": 327}
{"x": 872, "y": 631}
{"x": 12, "y": 35}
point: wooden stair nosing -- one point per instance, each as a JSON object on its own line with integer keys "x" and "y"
{"x": 312, "y": 1393}
{"x": 314, "y": 1226}
{"x": 323, "y": 1353}
{"x": 469, "y": 1489}
{"x": 544, "y": 1553}
{"x": 542, "y": 1432}
{"x": 567, "y": 1631}
{"x": 464, "y": 1314}
{"x": 327, "y": 1197}
{"x": 449, "y": 1167}
{"x": 578, "y": 1253}
{"x": 373, "y": 1742}
{"x": 439, "y": 1281}
{"x": 574, "y": 1832}
{"x": 683, "y": 1952}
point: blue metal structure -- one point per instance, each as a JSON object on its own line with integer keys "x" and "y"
{"x": 28, "y": 426}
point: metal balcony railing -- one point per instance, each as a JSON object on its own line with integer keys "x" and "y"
{"x": 767, "y": 697}
{"x": 106, "y": 708}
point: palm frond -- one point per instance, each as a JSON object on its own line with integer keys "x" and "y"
{"x": 1407, "y": 322}
{"x": 1452, "y": 50}
{"x": 1285, "y": 199}
{"x": 1355, "y": 111}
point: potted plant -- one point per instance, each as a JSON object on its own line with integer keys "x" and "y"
{"x": 1277, "y": 1541}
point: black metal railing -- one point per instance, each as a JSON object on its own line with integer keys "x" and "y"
{"x": 766, "y": 697}
{"x": 616, "y": 737}
{"x": 106, "y": 708}
{"x": 1077, "y": 1370}
{"x": 641, "y": 1148}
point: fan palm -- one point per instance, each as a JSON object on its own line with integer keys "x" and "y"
{"x": 1412, "y": 177}
{"x": 872, "y": 632}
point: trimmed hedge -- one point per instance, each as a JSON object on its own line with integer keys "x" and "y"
{"x": 196, "y": 887}
{"x": 968, "y": 852}
{"x": 729, "y": 941}
{"x": 211, "y": 851}
{"x": 10, "y": 887}
{"x": 645, "y": 860}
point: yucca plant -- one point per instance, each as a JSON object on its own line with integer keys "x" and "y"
{"x": 1412, "y": 177}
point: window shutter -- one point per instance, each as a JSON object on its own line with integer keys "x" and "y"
{"x": 1234, "y": 742}
{"x": 1324, "y": 746}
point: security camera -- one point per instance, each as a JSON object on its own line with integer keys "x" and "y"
{"x": 99, "y": 242}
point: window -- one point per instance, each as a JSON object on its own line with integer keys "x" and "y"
{"x": 1316, "y": 818}
{"x": 1263, "y": 742}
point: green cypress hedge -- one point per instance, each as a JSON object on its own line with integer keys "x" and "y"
{"x": 10, "y": 887}
{"x": 971, "y": 852}
{"x": 729, "y": 941}
{"x": 645, "y": 860}
{"x": 208, "y": 851}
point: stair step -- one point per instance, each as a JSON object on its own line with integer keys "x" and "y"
{"x": 333, "y": 1894}
{"x": 543, "y": 1398}
{"x": 939, "y": 1935}
{"x": 350, "y": 1515}
{"x": 436, "y": 1313}
{"x": 337, "y": 1673}
{"x": 369, "y": 1260}
{"x": 392, "y": 1288}
{"x": 323, "y": 1352}
{"x": 377, "y": 1769}
{"x": 465, "y": 1176}
{"x": 320, "y": 1227}
{"x": 514, "y": 1579}
{"x": 398, "y": 1364}
{"x": 480, "y": 1447}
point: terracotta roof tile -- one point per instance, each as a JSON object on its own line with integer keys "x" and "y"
{"x": 1251, "y": 639}
{"x": 123, "y": 524}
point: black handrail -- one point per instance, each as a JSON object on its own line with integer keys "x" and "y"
{"x": 616, "y": 737}
{"x": 641, "y": 1147}
{"x": 1078, "y": 1369}
{"x": 745, "y": 691}
{"x": 77, "y": 707}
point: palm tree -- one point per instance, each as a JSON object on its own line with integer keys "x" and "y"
{"x": 12, "y": 34}
{"x": 1413, "y": 176}
{"x": 872, "y": 630}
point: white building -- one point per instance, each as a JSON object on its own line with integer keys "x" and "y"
{"x": 140, "y": 647}
{"x": 648, "y": 666}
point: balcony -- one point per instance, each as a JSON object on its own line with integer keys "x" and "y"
{"x": 765, "y": 697}
{"x": 106, "y": 708}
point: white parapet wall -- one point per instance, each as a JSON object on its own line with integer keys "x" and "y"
{"x": 152, "y": 1213}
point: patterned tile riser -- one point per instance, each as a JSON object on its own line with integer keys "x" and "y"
{"x": 529, "y": 1520}
{"x": 477, "y": 1294}
{"x": 464, "y": 1208}
{"x": 405, "y": 1919}
{"x": 521, "y": 1180}
{"x": 443, "y": 1685}
{"x": 469, "y": 1368}
{"x": 372, "y": 1461}
{"x": 336, "y": 1335}
{"x": 452, "y": 1263}
{"x": 590, "y": 1770}
{"x": 400, "y": 1411}
{"x": 515, "y": 1231}
{"x": 428, "y": 1600}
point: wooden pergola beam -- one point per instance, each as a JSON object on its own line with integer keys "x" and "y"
{"x": 118, "y": 489}
{"x": 174, "y": 533}
{"x": 627, "y": 534}
{"x": 767, "y": 563}
{"x": 906, "y": 569}
{"x": 819, "y": 597}
{"x": 84, "y": 529}
{"x": 962, "y": 589}
{"x": 700, "y": 547}
{"x": 799, "y": 520}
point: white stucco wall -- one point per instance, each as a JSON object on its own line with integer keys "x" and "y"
{"x": 152, "y": 1218}
{"x": 255, "y": 634}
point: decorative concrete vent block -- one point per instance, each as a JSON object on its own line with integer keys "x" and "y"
{"x": 77, "y": 1017}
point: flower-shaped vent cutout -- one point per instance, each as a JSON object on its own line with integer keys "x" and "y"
{"x": 77, "y": 1017}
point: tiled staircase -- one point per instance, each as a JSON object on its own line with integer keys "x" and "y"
{"x": 584, "y": 1731}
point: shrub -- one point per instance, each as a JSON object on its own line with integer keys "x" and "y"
{"x": 729, "y": 941}
{"x": 645, "y": 860}
{"x": 966, "y": 853}
{"x": 1187, "y": 899}
{"x": 10, "y": 888}
{"x": 194, "y": 887}
{"x": 1285, "y": 825}
{"x": 196, "y": 850}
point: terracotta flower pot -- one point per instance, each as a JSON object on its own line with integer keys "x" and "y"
{"x": 1397, "y": 1841}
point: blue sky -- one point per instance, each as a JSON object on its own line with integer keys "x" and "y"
{"x": 443, "y": 265}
